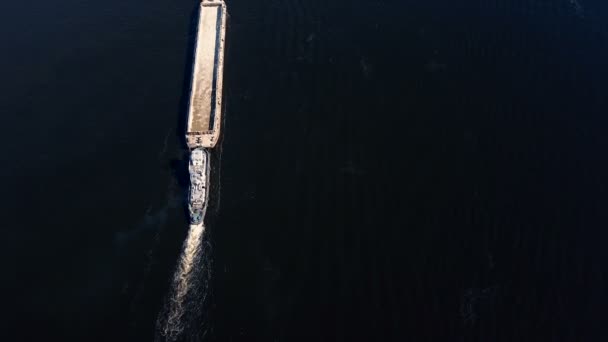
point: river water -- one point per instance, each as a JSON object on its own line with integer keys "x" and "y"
{"x": 390, "y": 170}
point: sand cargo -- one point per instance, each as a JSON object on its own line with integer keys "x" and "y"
{"x": 205, "y": 105}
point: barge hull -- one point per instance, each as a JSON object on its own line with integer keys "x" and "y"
{"x": 205, "y": 105}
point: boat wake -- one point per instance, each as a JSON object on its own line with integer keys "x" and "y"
{"x": 186, "y": 295}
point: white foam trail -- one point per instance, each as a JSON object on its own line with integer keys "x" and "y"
{"x": 183, "y": 281}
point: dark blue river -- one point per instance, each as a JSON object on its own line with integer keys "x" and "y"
{"x": 389, "y": 171}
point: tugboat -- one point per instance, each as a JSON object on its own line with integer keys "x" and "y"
{"x": 199, "y": 177}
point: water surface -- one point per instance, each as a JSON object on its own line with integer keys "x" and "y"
{"x": 390, "y": 170}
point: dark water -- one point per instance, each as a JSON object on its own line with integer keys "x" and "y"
{"x": 390, "y": 170}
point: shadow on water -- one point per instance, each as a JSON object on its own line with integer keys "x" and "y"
{"x": 187, "y": 74}
{"x": 179, "y": 166}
